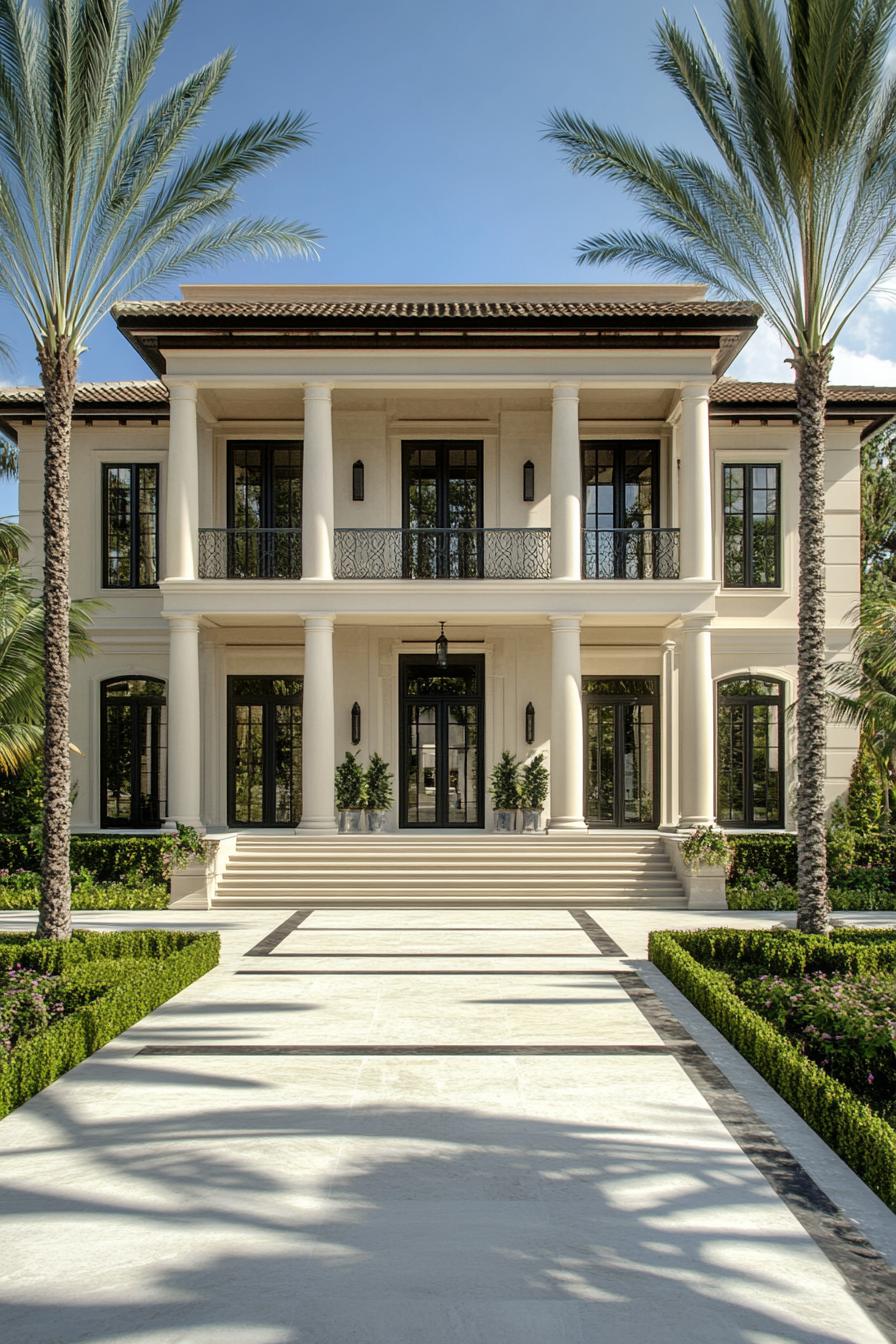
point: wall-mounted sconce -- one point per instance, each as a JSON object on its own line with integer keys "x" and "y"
{"x": 530, "y": 723}
{"x": 528, "y": 481}
{"x": 358, "y": 480}
{"x": 356, "y": 724}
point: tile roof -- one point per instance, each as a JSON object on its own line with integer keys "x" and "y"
{"x": 731, "y": 391}
{"x": 726, "y": 392}
{"x": 473, "y": 310}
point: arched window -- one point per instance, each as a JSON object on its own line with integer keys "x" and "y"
{"x": 750, "y": 752}
{"x": 133, "y": 752}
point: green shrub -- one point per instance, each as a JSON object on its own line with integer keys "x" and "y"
{"x": 124, "y": 975}
{"x": 378, "y": 784}
{"x": 349, "y": 783}
{"x": 504, "y": 783}
{"x": 754, "y": 893}
{"x": 22, "y": 798}
{"x": 865, "y": 797}
{"x": 863, "y": 1139}
{"x": 21, "y": 891}
{"x": 534, "y": 784}
{"x": 29, "y": 1002}
{"x": 773, "y": 857}
{"x": 112, "y": 858}
{"x": 770, "y": 856}
{"x": 707, "y": 845}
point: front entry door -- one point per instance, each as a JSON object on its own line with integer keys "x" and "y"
{"x": 265, "y": 751}
{"x": 622, "y": 751}
{"x": 441, "y": 741}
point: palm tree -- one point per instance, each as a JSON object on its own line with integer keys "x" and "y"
{"x": 796, "y": 210}
{"x": 101, "y": 196}
{"x": 22, "y": 655}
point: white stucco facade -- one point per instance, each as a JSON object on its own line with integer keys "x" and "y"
{"x": 541, "y": 634}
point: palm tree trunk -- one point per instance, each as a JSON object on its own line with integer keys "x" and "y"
{"x": 58, "y": 371}
{"x": 812, "y": 374}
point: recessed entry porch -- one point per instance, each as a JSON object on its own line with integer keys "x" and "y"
{"x": 608, "y": 736}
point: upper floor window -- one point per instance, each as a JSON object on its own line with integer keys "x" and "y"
{"x": 130, "y": 525}
{"x": 620, "y": 498}
{"x": 752, "y": 537}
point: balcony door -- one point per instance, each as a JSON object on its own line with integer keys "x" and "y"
{"x": 441, "y": 769}
{"x": 622, "y": 751}
{"x": 265, "y": 751}
{"x": 620, "y": 493}
{"x": 442, "y": 509}
{"x": 264, "y": 509}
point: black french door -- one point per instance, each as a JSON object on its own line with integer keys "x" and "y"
{"x": 622, "y": 751}
{"x": 265, "y": 751}
{"x": 620, "y": 493}
{"x": 442, "y": 509}
{"x": 441, "y": 767}
{"x": 133, "y": 752}
{"x": 264, "y": 509}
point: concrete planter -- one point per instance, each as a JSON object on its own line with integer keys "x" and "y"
{"x": 376, "y": 820}
{"x": 505, "y": 820}
{"x": 704, "y": 884}
{"x": 532, "y": 818}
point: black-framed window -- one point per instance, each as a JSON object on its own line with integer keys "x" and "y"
{"x": 751, "y": 505}
{"x": 264, "y": 509}
{"x": 133, "y": 752}
{"x": 750, "y": 752}
{"x": 620, "y": 497}
{"x": 130, "y": 524}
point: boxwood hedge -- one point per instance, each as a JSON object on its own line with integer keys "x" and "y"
{"x": 124, "y": 975}
{"x": 696, "y": 963}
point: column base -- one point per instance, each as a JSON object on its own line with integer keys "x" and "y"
{"x": 322, "y": 825}
{"x": 687, "y": 824}
{"x": 567, "y": 825}
{"x": 170, "y": 824}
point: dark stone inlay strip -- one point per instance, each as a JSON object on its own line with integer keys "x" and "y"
{"x": 433, "y": 956}
{"x": 325, "y": 970}
{"x": 276, "y": 936}
{"x": 605, "y": 945}
{"x": 362, "y": 1050}
{"x": 868, "y": 1275}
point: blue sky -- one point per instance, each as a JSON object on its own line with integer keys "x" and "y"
{"x": 427, "y": 162}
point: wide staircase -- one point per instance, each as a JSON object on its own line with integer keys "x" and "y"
{"x": 616, "y": 869}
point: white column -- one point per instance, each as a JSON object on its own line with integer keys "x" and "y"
{"x": 184, "y": 740}
{"x": 182, "y": 500}
{"x": 317, "y": 484}
{"x": 566, "y": 485}
{"x": 567, "y": 727}
{"x": 696, "y": 725}
{"x": 318, "y": 727}
{"x": 695, "y": 497}
{"x": 669, "y": 739}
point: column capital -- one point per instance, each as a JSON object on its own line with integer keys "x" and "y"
{"x": 176, "y": 621}
{"x": 565, "y": 391}
{"x": 692, "y": 392}
{"x": 565, "y": 622}
{"x": 695, "y": 621}
{"x": 316, "y": 622}
{"x": 318, "y": 391}
{"x": 669, "y": 645}
{"x": 178, "y": 391}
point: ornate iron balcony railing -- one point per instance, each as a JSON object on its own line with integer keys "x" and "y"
{"x": 250, "y": 553}
{"x": 630, "y": 553}
{"x": 443, "y": 553}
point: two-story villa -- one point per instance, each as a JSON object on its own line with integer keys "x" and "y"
{"x": 317, "y": 478}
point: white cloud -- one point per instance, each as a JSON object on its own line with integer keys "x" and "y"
{"x": 864, "y": 357}
{"x": 763, "y": 358}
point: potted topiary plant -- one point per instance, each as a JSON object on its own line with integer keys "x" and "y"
{"x": 378, "y": 780}
{"x": 350, "y": 793}
{"x": 707, "y": 847}
{"x": 533, "y": 792}
{"x": 504, "y": 787}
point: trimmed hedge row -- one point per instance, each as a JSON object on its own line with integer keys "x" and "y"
{"x": 774, "y": 856}
{"x": 864, "y": 1141}
{"x": 108, "y": 858}
{"x": 781, "y": 896}
{"x": 130, "y": 972}
{"x": 114, "y": 896}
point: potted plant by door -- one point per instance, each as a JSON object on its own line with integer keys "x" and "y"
{"x": 378, "y": 780}
{"x": 504, "y": 787}
{"x": 350, "y": 793}
{"x": 533, "y": 792}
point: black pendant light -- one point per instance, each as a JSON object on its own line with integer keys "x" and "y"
{"x": 442, "y": 647}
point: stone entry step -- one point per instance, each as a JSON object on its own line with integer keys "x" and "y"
{"x": 288, "y": 870}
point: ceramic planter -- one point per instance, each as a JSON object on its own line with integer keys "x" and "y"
{"x": 532, "y": 818}
{"x": 505, "y": 820}
{"x": 376, "y": 820}
{"x": 350, "y": 820}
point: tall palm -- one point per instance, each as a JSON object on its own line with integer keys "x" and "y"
{"x": 22, "y": 655}
{"x": 797, "y": 210}
{"x": 103, "y": 195}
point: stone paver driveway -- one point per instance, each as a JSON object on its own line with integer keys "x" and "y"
{"x": 385, "y": 1126}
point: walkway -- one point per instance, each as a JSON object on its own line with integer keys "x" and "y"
{"x": 415, "y": 1127}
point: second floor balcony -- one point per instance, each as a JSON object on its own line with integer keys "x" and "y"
{"x": 467, "y": 553}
